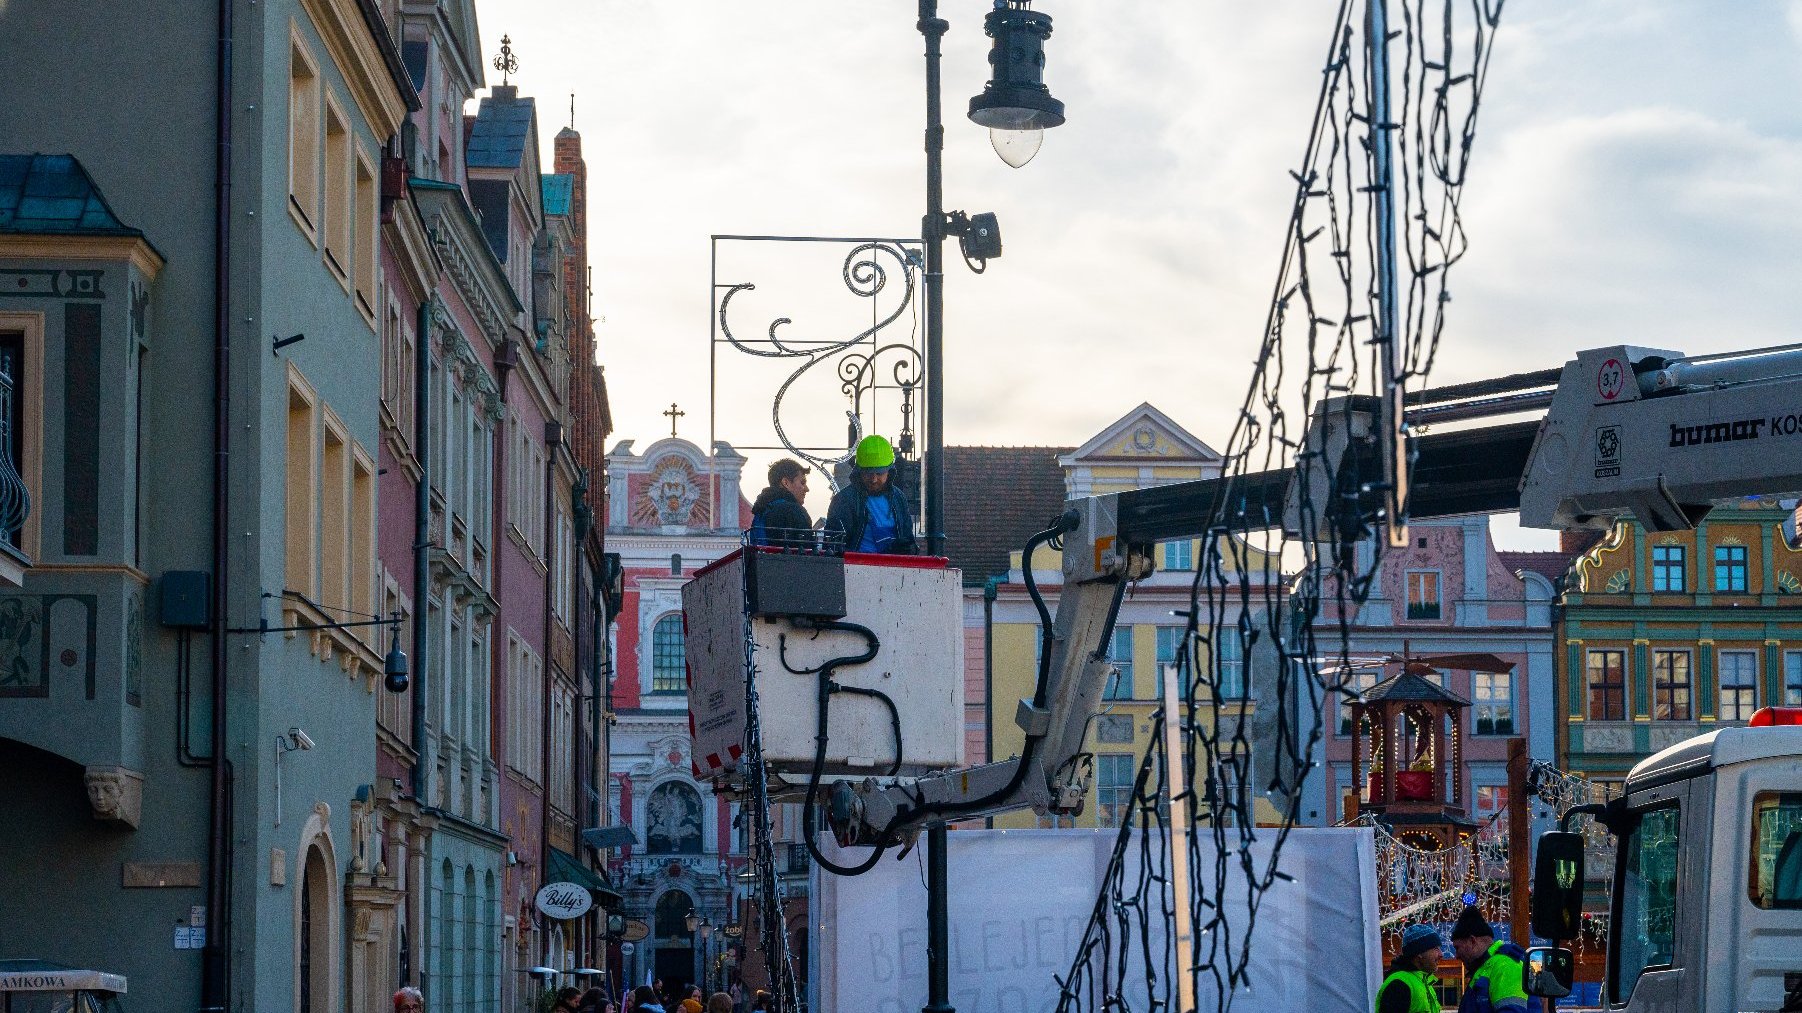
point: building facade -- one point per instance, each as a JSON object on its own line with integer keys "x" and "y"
{"x": 1666, "y": 635}
{"x": 672, "y": 510}
{"x": 1449, "y": 593}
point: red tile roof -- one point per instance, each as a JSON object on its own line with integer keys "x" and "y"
{"x": 1550, "y": 565}
{"x": 995, "y": 499}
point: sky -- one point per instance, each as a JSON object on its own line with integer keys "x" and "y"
{"x": 1637, "y": 178}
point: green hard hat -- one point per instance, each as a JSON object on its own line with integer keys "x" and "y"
{"x": 875, "y": 452}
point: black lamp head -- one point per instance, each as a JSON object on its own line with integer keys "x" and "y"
{"x": 394, "y": 666}
{"x": 1016, "y": 97}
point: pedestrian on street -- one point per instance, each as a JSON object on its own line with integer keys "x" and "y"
{"x": 719, "y": 1002}
{"x": 568, "y": 998}
{"x": 778, "y": 518}
{"x": 870, "y": 514}
{"x": 644, "y": 1000}
{"x": 1496, "y": 969}
{"x": 408, "y": 1000}
{"x": 693, "y": 1003}
{"x": 591, "y": 1001}
{"x": 1409, "y": 988}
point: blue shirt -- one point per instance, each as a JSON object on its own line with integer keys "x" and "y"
{"x": 879, "y": 530}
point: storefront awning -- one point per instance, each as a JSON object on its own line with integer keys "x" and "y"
{"x": 565, "y": 869}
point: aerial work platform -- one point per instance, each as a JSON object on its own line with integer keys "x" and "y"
{"x": 792, "y": 621}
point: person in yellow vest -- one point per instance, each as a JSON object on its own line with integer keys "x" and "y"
{"x": 1495, "y": 968}
{"x": 1409, "y": 988}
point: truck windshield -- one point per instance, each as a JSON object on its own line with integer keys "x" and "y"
{"x": 1777, "y": 849}
{"x": 1645, "y": 901}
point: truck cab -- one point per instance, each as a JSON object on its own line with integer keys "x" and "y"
{"x": 1705, "y": 908}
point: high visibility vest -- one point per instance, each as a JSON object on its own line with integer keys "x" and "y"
{"x": 1498, "y": 984}
{"x": 1420, "y": 992}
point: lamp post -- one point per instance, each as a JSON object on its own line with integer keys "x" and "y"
{"x": 1015, "y": 101}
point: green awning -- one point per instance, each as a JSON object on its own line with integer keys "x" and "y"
{"x": 565, "y": 869}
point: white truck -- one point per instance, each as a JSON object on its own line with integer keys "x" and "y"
{"x": 1705, "y": 911}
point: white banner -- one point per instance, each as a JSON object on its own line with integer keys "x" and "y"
{"x": 1020, "y": 901}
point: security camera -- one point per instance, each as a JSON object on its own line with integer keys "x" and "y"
{"x": 300, "y": 739}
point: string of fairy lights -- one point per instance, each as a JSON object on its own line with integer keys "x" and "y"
{"x": 1319, "y": 343}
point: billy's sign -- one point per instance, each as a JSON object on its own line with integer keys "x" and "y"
{"x": 563, "y": 900}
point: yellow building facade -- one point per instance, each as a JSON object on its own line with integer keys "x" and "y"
{"x": 1145, "y": 448}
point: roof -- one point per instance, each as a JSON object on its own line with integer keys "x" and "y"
{"x": 503, "y": 122}
{"x": 559, "y": 187}
{"x": 54, "y": 195}
{"x": 1550, "y": 565}
{"x": 1409, "y": 687}
{"x": 1697, "y": 756}
{"x": 995, "y": 499}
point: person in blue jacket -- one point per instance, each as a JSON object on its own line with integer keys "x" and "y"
{"x": 778, "y": 518}
{"x": 869, "y": 514}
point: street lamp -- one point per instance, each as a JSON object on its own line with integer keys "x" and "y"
{"x": 1015, "y": 105}
{"x": 1015, "y": 100}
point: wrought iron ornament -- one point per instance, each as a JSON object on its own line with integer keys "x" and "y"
{"x": 507, "y": 64}
{"x": 865, "y": 362}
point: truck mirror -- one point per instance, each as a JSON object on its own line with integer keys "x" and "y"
{"x": 1558, "y": 885}
{"x": 1548, "y": 972}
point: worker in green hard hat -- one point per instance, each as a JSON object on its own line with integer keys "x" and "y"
{"x": 870, "y": 514}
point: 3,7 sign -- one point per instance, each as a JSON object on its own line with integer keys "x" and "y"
{"x": 1611, "y": 379}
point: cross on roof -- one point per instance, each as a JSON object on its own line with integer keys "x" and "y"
{"x": 673, "y": 414}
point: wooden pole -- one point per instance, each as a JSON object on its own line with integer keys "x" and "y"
{"x": 1519, "y": 846}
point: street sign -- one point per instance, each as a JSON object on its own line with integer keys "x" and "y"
{"x": 563, "y": 900}
{"x": 626, "y": 949}
{"x": 635, "y": 930}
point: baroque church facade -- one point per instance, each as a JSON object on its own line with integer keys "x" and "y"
{"x": 673, "y": 509}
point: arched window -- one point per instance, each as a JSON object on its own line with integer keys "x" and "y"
{"x": 472, "y": 941}
{"x": 673, "y": 818}
{"x": 445, "y": 974}
{"x": 490, "y": 944}
{"x": 668, "y": 659}
{"x": 671, "y": 921}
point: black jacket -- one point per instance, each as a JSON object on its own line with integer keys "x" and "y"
{"x": 776, "y": 519}
{"x": 848, "y": 515}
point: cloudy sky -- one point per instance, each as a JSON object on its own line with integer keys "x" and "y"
{"x": 1637, "y": 177}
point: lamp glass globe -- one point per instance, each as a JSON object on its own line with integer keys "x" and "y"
{"x": 1016, "y": 147}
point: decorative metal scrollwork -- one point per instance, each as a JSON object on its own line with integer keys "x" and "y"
{"x": 861, "y": 358}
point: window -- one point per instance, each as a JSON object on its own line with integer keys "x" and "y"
{"x": 397, "y": 374}
{"x": 303, "y": 137}
{"x": 1777, "y": 850}
{"x": 361, "y": 594}
{"x": 673, "y": 820}
{"x": 563, "y": 714}
{"x": 1643, "y": 923}
{"x": 669, "y": 662}
{"x": 1668, "y": 569}
{"x": 1607, "y": 672}
{"x": 1229, "y": 652}
{"x": 1491, "y": 799}
{"x": 363, "y": 243}
{"x": 1179, "y": 555}
{"x": 1423, "y": 594}
{"x": 525, "y": 710}
{"x": 1730, "y": 568}
{"x": 394, "y": 711}
{"x": 1494, "y": 702}
{"x": 1357, "y": 681}
{"x": 1739, "y": 680}
{"x": 1232, "y": 774}
{"x": 562, "y": 558}
{"x": 1114, "y": 776}
{"x": 302, "y": 498}
{"x": 1120, "y": 684}
{"x": 334, "y": 221}
{"x": 1170, "y": 642}
{"x": 1792, "y": 678}
{"x": 334, "y": 517}
{"x": 1670, "y": 686}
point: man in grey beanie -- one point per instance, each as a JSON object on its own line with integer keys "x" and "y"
{"x": 1409, "y": 988}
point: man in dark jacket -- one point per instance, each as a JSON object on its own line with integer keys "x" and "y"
{"x": 870, "y": 514}
{"x": 778, "y": 518}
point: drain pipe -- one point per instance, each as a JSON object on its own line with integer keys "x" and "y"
{"x": 422, "y": 537}
{"x": 215, "y": 962}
